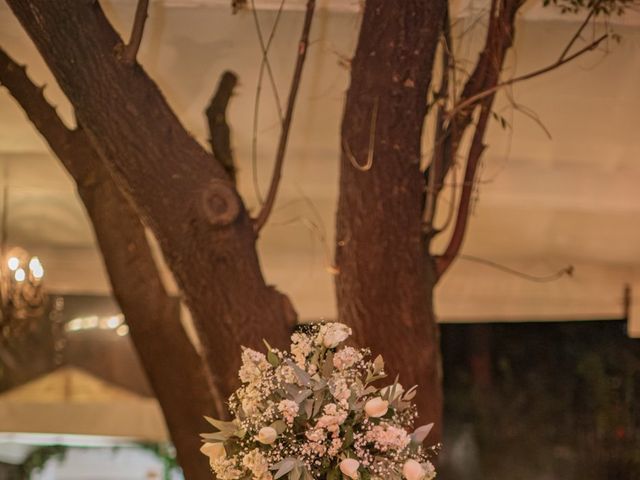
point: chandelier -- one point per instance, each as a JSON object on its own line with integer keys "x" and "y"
{"x": 22, "y": 296}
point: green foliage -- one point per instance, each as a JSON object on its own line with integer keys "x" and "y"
{"x": 598, "y": 7}
{"x": 38, "y": 458}
{"x": 561, "y": 400}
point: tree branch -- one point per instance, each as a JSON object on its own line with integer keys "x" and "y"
{"x": 131, "y": 49}
{"x": 183, "y": 195}
{"x": 562, "y": 60}
{"x": 151, "y": 313}
{"x": 498, "y": 43}
{"x": 592, "y": 12}
{"x": 219, "y": 131}
{"x": 265, "y": 211}
{"x": 443, "y": 94}
{"x": 45, "y": 118}
{"x": 475, "y": 153}
{"x": 485, "y": 74}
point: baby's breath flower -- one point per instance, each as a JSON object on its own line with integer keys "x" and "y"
{"x": 309, "y": 418}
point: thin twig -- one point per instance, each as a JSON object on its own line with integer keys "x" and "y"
{"x": 452, "y": 203}
{"x": 575, "y": 37}
{"x": 264, "y": 213}
{"x": 372, "y": 140}
{"x": 131, "y": 49}
{"x": 264, "y": 64}
{"x": 443, "y": 94}
{"x": 568, "y": 270}
{"x": 558, "y": 63}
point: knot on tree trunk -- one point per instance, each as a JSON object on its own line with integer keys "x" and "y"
{"x": 220, "y": 203}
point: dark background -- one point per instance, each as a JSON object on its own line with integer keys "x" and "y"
{"x": 541, "y": 401}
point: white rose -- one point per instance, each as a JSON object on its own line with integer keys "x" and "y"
{"x": 349, "y": 467}
{"x": 376, "y": 407}
{"x": 267, "y": 435}
{"x": 397, "y": 393}
{"x": 412, "y": 470}
{"x": 213, "y": 450}
{"x": 335, "y": 334}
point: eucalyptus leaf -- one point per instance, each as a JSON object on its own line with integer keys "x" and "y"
{"x": 303, "y": 377}
{"x": 308, "y": 408}
{"x": 333, "y": 474}
{"x": 306, "y": 475}
{"x": 222, "y": 425}
{"x": 279, "y": 426}
{"x": 284, "y": 467}
{"x": 378, "y": 364}
{"x": 327, "y": 366}
{"x": 348, "y": 437}
{"x": 295, "y": 473}
{"x": 215, "y": 437}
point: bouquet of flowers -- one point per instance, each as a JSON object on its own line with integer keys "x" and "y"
{"x": 314, "y": 413}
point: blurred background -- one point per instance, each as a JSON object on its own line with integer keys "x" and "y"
{"x": 541, "y": 367}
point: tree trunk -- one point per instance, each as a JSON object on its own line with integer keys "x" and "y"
{"x": 182, "y": 193}
{"x": 385, "y": 275}
{"x": 173, "y": 367}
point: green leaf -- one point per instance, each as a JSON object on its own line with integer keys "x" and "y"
{"x": 302, "y": 376}
{"x": 378, "y": 365}
{"x": 333, "y": 474}
{"x": 308, "y": 408}
{"x": 306, "y": 475}
{"x": 348, "y": 437}
{"x": 319, "y": 399}
{"x": 284, "y": 467}
{"x": 279, "y": 426}
{"x": 215, "y": 437}
{"x": 222, "y": 425}
{"x": 272, "y": 358}
{"x": 410, "y": 394}
{"x": 295, "y": 473}
{"x": 327, "y": 366}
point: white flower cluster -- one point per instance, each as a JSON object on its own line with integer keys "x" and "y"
{"x": 314, "y": 413}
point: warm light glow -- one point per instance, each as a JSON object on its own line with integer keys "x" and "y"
{"x": 90, "y": 322}
{"x": 20, "y": 275}
{"x": 114, "y": 322}
{"x": 122, "y": 330}
{"x": 74, "y": 325}
{"x": 13, "y": 263}
{"x": 36, "y": 268}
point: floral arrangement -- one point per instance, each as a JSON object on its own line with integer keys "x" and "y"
{"x": 314, "y": 413}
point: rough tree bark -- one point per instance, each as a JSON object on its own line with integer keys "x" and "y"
{"x": 183, "y": 194}
{"x": 385, "y": 274}
{"x": 174, "y": 368}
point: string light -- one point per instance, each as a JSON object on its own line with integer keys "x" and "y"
{"x": 94, "y": 322}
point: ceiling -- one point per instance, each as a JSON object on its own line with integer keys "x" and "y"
{"x": 543, "y": 203}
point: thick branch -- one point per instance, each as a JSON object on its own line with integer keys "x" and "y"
{"x": 183, "y": 195}
{"x": 303, "y": 45}
{"x": 131, "y": 49}
{"x": 219, "y": 131}
{"x": 13, "y": 76}
{"x": 152, "y": 315}
{"x": 498, "y": 43}
{"x": 485, "y": 74}
{"x": 475, "y": 152}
